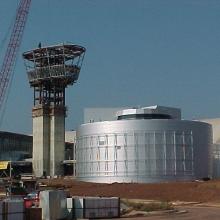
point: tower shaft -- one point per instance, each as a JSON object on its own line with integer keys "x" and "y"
{"x": 50, "y": 70}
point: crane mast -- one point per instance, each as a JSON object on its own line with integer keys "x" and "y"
{"x": 13, "y": 47}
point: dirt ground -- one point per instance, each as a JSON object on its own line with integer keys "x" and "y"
{"x": 189, "y": 213}
{"x": 206, "y": 196}
{"x": 208, "y": 191}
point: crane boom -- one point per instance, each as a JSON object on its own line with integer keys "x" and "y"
{"x": 13, "y": 47}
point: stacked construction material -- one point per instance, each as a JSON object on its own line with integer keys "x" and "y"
{"x": 93, "y": 207}
{"x": 11, "y": 209}
{"x": 53, "y": 204}
{"x": 33, "y": 213}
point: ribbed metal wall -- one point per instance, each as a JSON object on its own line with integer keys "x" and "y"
{"x": 143, "y": 151}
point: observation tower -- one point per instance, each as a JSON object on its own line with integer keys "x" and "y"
{"x": 50, "y": 70}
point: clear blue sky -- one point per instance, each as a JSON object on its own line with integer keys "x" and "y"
{"x": 139, "y": 52}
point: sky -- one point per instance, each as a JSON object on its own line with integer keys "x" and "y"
{"x": 139, "y": 53}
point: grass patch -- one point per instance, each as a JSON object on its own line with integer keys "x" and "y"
{"x": 149, "y": 206}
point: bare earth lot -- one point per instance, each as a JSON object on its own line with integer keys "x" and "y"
{"x": 207, "y": 194}
{"x": 177, "y": 191}
{"x": 193, "y": 213}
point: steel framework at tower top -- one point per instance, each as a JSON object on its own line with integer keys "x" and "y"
{"x": 51, "y": 69}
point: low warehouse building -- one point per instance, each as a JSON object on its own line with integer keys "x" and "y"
{"x": 15, "y": 147}
{"x": 150, "y": 144}
{"x": 18, "y": 148}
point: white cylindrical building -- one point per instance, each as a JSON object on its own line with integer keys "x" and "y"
{"x": 149, "y": 144}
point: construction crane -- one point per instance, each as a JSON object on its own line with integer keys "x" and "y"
{"x": 12, "y": 48}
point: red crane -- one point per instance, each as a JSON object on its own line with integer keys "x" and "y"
{"x": 13, "y": 47}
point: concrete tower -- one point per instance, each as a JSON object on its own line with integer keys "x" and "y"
{"x": 50, "y": 70}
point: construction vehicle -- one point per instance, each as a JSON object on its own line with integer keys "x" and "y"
{"x": 6, "y": 72}
{"x": 10, "y": 56}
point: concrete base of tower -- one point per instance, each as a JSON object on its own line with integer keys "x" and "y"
{"x": 48, "y": 140}
{"x": 41, "y": 141}
{"x": 57, "y": 143}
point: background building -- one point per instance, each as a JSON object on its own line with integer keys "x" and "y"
{"x": 149, "y": 144}
{"x": 215, "y": 122}
{"x": 18, "y": 149}
{"x": 69, "y": 164}
{"x": 15, "y": 147}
